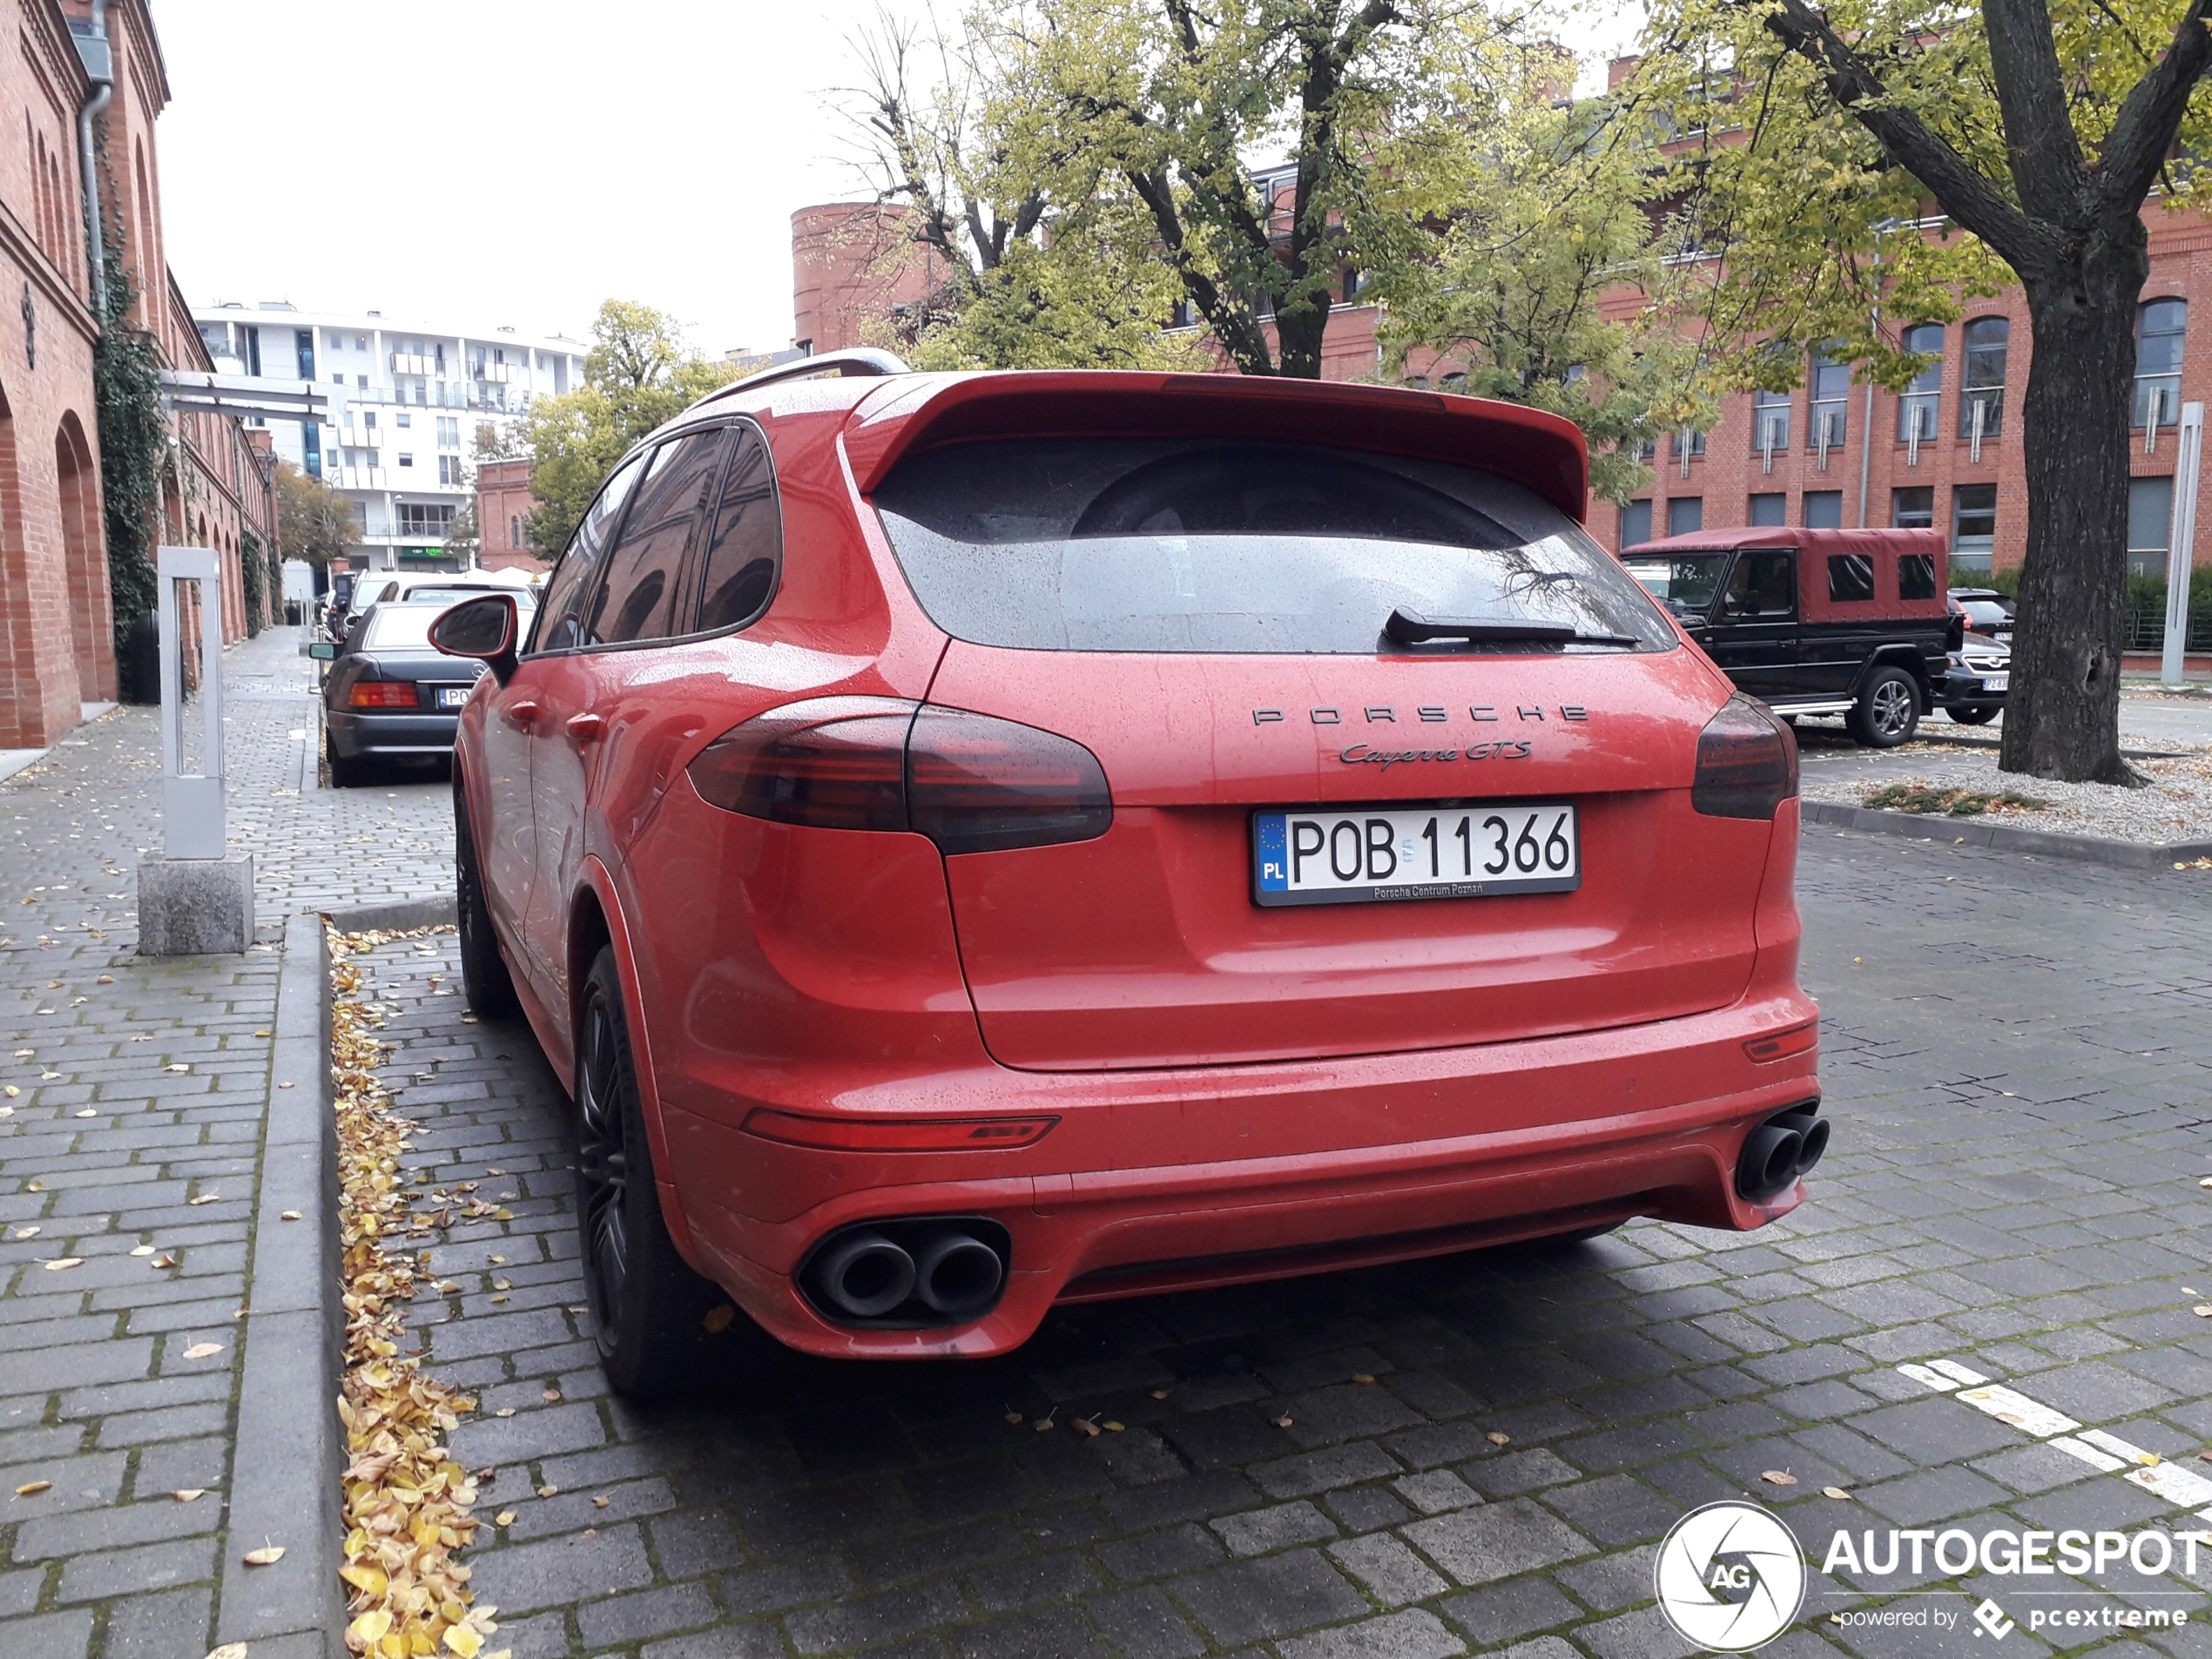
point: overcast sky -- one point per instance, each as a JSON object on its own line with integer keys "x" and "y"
{"x": 472, "y": 162}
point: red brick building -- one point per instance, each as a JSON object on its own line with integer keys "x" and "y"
{"x": 504, "y": 504}
{"x": 57, "y": 650}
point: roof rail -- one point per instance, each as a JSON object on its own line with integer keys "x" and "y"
{"x": 859, "y": 360}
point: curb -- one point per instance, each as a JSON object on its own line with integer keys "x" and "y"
{"x": 2002, "y": 838}
{"x": 285, "y": 1480}
{"x": 396, "y": 917}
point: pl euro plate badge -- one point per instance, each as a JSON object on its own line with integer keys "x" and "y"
{"x": 1368, "y": 855}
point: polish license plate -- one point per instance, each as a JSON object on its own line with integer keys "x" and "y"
{"x": 1372, "y": 854}
{"x": 452, "y": 696}
{"x": 1996, "y": 682}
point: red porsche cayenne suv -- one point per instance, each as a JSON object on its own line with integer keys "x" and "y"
{"x": 982, "y": 841}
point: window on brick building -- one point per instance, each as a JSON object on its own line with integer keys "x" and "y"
{"x": 1913, "y": 509}
{"x": 1769, "y": 421}
{"x": 1635, "y": 524}
{"x": 1973, "y": 528}
{"x": 1987, "y": 338}
{"x": 2159, "y": 329}
{"x": 1685, "y": 514}
{"x": 514, "y": 530}
{"x": 1917, "y": 405}
{"x": 1770, "y": 508}
{"x": 1830, "y": 388}
{"x": 2150, "y": 517}
{"x": 1823, "y": 510}
{"x": 1696, "y": 445}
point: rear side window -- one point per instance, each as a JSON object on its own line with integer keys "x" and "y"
{"x": 559, "y": 622}
{"x": 1851, "y": 578}
{"x": 746, "y": 552}
{"x": 637, "y": 599}
{"x": 1124, "y": 544}
{"x": 1916, "y": 575}
{"x": 1763, "y": 584}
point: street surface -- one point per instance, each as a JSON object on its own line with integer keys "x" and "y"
{"x": 2016, "y": 1060}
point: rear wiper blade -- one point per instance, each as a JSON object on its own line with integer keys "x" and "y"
{"x": 1411, "y": 628}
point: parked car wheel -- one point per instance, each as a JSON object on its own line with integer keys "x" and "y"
{"x": 1981, "y": 715}
{"x": 484, "y": 978}
{"x": 1889, "y": 710}
{"x": 649, "y": 1311}
{"x": 344, "y": 774}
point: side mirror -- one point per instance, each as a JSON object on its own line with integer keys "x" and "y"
{"x": 321, "y": 649}
{"x": 486, "y": 630}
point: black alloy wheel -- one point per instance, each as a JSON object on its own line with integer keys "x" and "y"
{"x": 651, "y": 1313}
{"x": 485, "y": 980}
{"x": 1888, "y": 711}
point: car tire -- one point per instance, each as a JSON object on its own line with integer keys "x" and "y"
{"x": 344, "y": 774}
{"x": 1982, "y": 714}
{"x": 651, "y": 1313}
{"x": 485, "y": 980}
{"x": 1888, "y": 711}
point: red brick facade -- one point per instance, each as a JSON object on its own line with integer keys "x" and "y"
{"x": 57, "y": 633}
{"x": 504, "y": 504}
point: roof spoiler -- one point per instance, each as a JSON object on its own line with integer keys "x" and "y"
{"x": 860, "y": 360}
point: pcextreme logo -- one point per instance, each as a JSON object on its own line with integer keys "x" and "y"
{"x": 1730, "y": 1576}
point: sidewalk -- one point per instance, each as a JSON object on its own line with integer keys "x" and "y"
{"x": 134, "y": 1121}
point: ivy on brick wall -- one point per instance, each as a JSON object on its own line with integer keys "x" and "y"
{"x": 134, "y": 446}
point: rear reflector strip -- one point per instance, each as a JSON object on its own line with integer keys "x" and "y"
{"x": 1797, "y": 1040}
{"x": 899, "y": 1135}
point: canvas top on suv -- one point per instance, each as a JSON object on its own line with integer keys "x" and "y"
{"x": 1815, "y": 622}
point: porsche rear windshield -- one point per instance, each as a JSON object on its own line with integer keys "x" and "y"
{"x": 1184, "y": 545}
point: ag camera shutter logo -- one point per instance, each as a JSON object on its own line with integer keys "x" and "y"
{"x": 1730, "y": 1576}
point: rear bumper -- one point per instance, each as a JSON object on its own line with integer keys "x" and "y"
{"x": 354, "y": 733}
{"x": 1168, "y": 1180}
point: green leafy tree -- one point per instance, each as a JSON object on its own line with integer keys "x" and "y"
{"x": 637, "y": 374}
{"x": 314, "y": 522}
{"x": 1174, "y": 101}
{"x": 462, "y": 539}
{"x": 1033, "y": 257}
{"x": 1544, "y": 214}
{"x": 1814, "y": 146}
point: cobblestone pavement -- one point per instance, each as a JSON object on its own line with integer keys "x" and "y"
{"x": 135, "y": 1091}
{"x": 2017, "y": 1058}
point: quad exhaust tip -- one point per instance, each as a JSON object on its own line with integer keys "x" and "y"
{"x": 1780, "y": 1150}
{"x": 908, "y": 1273}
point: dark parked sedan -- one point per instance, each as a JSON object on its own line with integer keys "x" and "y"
{"x": 388, "y": 695}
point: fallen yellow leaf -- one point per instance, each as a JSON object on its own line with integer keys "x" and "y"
{"x": 56, "y": 1265}
{"x": 268, "y": 1555}
{"x": 1281, "y": 1422}
{"x": 718, "y": 1319}
{"x": 598, "y": 1503}
{"x": 228, "y": 1650}
{"x": 464, "y": 1642}
{"x": 203, "y": 1350}
{"x": 30, "y": 1487}
{"x": 547, "y": 1491}
{"x": 368, "y": 1629}
{"x": 1496, "y": 1439}
{"x": 1835, "y": 1492}
{"x": 289, "y": 1215}
{"x": 1779, "y": 1477}
{"x": 1363, "y": 1377}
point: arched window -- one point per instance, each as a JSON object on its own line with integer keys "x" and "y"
{"x": 1982, "y": 405}
{"x": 1917, "y": 406}
{"x": 2159, "y": 327}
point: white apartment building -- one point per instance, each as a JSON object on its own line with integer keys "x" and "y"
{"x": 404, "y": 403}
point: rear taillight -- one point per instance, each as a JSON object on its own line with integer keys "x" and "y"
{"x": 971, "y": 783}
{"x": 832, "y": 762}
{"x": 980, "y": 784}
{"x": 383, "y": 694}
{"x": 1747, "y": 762}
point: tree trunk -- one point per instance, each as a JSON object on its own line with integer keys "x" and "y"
{"x": 2062, "y": 716}
{"x": 1298, "y": 334}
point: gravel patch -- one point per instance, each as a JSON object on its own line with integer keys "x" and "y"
{"x": 2177, "y": 807}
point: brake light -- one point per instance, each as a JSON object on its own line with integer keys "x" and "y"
{"x": 383, "y": 694}
{"x": 978, "y": 785}
{"x": 908, "y": 1135}
{"x": 972, "y": 783}
{"x": 1799, "y": 1039}
{"x": 1747, "y": 762}
{"x": 831, "y": 762}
